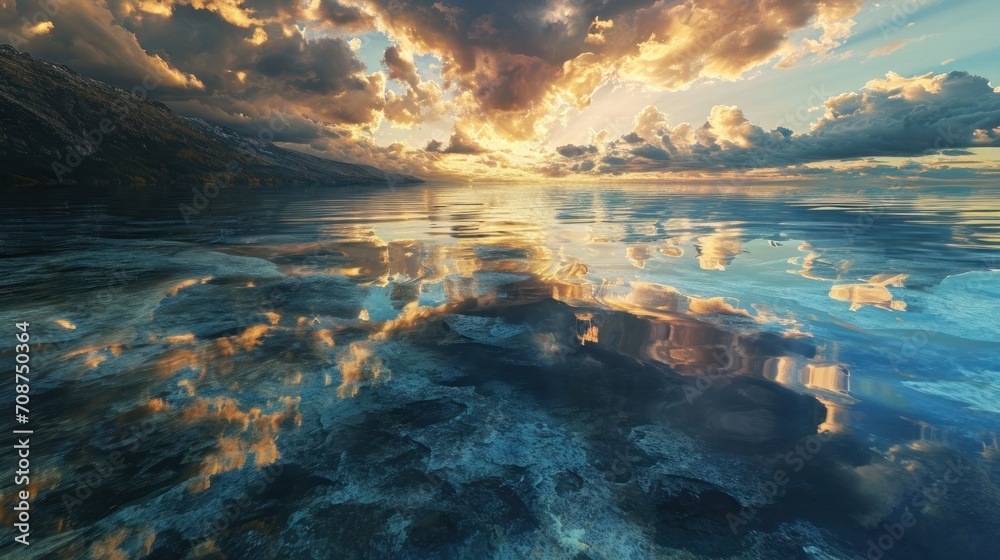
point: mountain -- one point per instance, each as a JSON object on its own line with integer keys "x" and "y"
{"x": 59, "y": 127}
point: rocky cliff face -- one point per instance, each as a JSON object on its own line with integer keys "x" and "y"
{"x": 59, "y": 127}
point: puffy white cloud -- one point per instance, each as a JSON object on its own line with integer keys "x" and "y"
{"x": 890, "y": 116}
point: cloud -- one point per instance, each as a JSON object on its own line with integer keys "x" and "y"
{"x": 895, "y": 46}
{"x": 343, "y": 16}
{"x": 514, "y": 68}
{"x": 571, "y": 151}
{"x": 422, "y": 100}
{"x": 888, "y": 48}
{"x": 508, "y": 72}
{"x": 87, "y": 37}
{"x": 234, "y": 62}
{"x": 400, "y": 65}
{"x": 417, "y": 105}
{"x": 890, "y": 116}
{"x": 520, "y": 66}
{"x": 650, "y": 123}
{"x": 652, "y": 152}
{"x": 460, "y": 143}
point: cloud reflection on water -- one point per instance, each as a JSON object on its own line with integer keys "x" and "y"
{"x": 495, "y": 340}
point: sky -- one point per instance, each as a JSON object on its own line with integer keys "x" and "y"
{"x": 570, "y": 90}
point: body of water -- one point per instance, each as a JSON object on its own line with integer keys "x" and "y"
{"x": 509, "y": 371}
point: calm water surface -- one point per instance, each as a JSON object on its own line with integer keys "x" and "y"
{"x": 514, "y": 371}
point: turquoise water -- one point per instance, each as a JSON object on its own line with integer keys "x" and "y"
{"x": 511, "y": 371}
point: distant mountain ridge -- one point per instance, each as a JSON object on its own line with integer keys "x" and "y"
{"x": 59, "y": 127}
